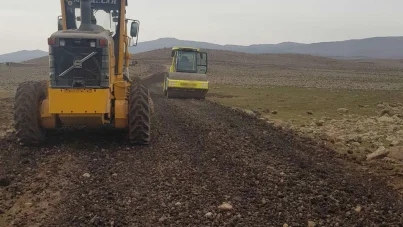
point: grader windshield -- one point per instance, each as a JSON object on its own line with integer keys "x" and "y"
{"x": 105, "y": 13}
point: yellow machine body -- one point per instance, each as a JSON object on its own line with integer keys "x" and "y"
{"x": 89, "y": 81}
{"x": 186, "y": 84}
{"x": 93, "y": 107}
{"x": 92, "y": 101}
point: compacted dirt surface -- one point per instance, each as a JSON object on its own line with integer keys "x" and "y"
{"x": 207, "y": 165}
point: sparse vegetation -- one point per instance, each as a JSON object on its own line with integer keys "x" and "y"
{"x": 294, "y": 103}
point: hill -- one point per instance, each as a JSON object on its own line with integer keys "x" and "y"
{"x": 244, "y": 69}
{"x": 378, "y": 47}
{"x": 276, "y": 60}
{"x": 370, "y": 48}
{"x": 43, "y": 61}
{"x": 232, "y": 58}
{"x": 21, "y": 56}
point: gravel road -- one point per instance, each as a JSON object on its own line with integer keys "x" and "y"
{"x": 207, "y": 165}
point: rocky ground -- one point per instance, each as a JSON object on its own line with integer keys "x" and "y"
{"x": 358, "y": 133}
{"x": 372, "y": 139}
{"x": 208, "y": 165}
{"x": 376, "y": 140}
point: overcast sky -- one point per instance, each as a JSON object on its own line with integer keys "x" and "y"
{"x": 26, "y": 24}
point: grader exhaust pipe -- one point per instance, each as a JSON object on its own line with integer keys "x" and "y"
{"x": 86, "y": 15}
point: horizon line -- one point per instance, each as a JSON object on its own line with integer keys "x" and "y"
{"x": 335, "y": 41}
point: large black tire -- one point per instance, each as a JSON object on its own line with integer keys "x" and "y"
{"x": 27, "y": 116}
{"x": 202, "y": 95}
{"x": 139, "y": 114}
{"x": 167, "y": 94}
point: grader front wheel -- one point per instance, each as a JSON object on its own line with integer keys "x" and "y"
{"x": 139, "y": 114}
{"x": 27, "y": 116}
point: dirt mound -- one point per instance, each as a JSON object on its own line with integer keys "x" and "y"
{"x": 15, "y": 64}
{"x": 284, "y": 60}
{"x": 145, "y": 69}
{"x": 234, "y": 68}
{"x": 43, "y": 61}
{"x": 275, "y": 60}
{"x": 387, "y": 63}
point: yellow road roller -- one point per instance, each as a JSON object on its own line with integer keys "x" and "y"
{"x": 187, "y": 77}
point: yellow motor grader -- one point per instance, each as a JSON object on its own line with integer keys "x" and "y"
{"x": 187, "y": 75}
{"x": 89, "y": 83}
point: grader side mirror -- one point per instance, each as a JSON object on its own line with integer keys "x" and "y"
{"x": 134, "y": 29}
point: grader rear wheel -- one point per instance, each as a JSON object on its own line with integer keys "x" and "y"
{"x": 139, "y": 114}
{"x": 27, "y": 116}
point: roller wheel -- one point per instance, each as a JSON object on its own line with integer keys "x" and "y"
{"x": 202, "y": 95}
{"x": 167, "y": 94}
{"x": 27, "y": 116}
{"x": 139, "y": 114}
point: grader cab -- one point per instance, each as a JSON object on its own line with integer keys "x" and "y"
{"x": 187, "y": 75}
{"x": 89, "y": 82}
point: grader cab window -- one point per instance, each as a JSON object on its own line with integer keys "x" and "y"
{"x": 102, "y": 18}
{"x": 105, "y": 14}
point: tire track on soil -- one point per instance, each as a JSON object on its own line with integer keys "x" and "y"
{"x": 201, "y": 155}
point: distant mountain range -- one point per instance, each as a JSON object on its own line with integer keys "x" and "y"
{"x": 23, "y": 55}
{"x": 378, "y": 47}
